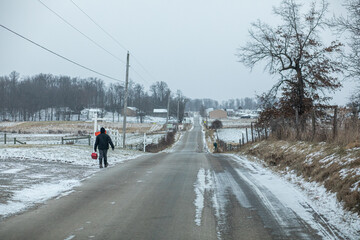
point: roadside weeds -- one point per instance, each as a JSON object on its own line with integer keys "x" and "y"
{"x": 336, "y": 168}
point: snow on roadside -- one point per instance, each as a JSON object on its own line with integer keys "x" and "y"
{"x": 32, "y": 174}
{"x": 178, "y": 136}
{"x": 298, "y": 194}
{"x": 39, "y": 193}
{"x": 73, "y": 154}
{"x": 204, "y": 183}
{"x": 18, "y": 160}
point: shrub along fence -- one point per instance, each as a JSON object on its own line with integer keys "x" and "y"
{"x": 323, "y": 124}
{"x": 163, "y": 143}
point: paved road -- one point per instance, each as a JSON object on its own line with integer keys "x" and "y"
{"x": 186, "y": 194}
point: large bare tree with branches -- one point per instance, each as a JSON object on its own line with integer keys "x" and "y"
{"x": 294, "y": 52}
{"x": 351, "y": 25}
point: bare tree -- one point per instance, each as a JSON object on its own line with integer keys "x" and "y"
{"x": 160, "y": 91}
{"x": 351, "y": 25}
{"x": 294, "y": 52}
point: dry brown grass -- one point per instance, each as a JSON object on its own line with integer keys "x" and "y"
{"x": 335, "y": 167}
{"x": 347, "y": 133}
{"x": 210, "y": 139}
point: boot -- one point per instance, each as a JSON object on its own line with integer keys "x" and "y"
{"x": 101, "y": 166}
{"x": 106, "y": 164}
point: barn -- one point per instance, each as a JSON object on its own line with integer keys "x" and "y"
{"x": 218, "y": 114}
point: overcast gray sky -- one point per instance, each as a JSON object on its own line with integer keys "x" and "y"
{"x": 191, "y": 45}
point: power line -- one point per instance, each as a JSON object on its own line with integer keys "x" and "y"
{"x": 67, "y": 59}
{"x": 97, "y": 44}
{"x": 116, "y": 41}
{"x": 136, "y": 60}
{"x": 137, "y": 73}
{"x": 106, "y": 32}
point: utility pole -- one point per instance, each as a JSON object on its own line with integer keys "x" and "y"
{"x": 168, "y": 108}
{"x": 178, "y": 108}
{"x": 126, "y": 97}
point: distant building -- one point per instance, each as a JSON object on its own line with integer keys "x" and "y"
{"x": 160, "y": 113}
{"x": 230, "y": 112}
{"x": 90, "y": 112}
{"x": 218, "y": 114}
{"x": 131, "y": 111}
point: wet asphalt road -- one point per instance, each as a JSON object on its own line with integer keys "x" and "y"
{"x": 153, "y": 197}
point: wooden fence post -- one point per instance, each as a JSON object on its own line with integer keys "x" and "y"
{"x": 266, "y": 133}
{"x": 335, "y": 122}
{"x": 313, "y": 120}
{"x": 297, "y": 123}
{"x": 252, "y": 132}
{"x": 4, "y": 138}
{"x": 247, "y": 136}
{"x": 62, "y": 140}
{"x": 14, "y": 140}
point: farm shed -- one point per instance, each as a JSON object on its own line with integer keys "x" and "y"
{"x": 218, "y": 114}
{"x": 160, "y": 113}
{"x": 131, "y": 111}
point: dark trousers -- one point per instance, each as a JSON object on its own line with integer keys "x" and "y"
{"x": 103, "y": 155}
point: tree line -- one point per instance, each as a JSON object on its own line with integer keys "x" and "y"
{"x": 46, "y": 97}
{"x": 238, "y": 103}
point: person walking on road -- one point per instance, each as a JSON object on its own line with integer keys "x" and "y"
{"x": 216, "y": 147}
{"x": 102, "y": 142}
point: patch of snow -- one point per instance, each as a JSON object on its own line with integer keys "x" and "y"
{"x": 206, "y": 148}
{"x": 39, "y": 193}
{"x": 344, "y": 173}
{"x": 70, "y": 237}
{"x": 356, "y": 186}
{"x": 10, "y": 124}
{"x": 40, "y": 176}
{"x": 233, "y": 135}
{"x": 12, "y": 171}
{"x": 310, "y": 157}
{"x": 178, "y": 137}
{"x": 78, "y": 155}
{"x": 26, "y": 185}
{"x": 306, "y": 200}
{"x": 203, "y": 184}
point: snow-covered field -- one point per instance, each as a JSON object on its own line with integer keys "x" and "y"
{"x": 131, "y": 138}
{"x": 46, "y": 138}
{"x": 233, "y": 135}
{"x": 32, "y": 174}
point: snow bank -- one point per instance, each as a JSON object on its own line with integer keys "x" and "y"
{"x": 304, "y": 198}
{"x": 72, "y": 154}
{"x": 32, "y": 174}
{"x": 39, "y": 193}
